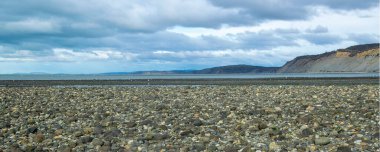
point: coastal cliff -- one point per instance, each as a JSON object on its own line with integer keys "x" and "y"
{"x": 359, "y": 58}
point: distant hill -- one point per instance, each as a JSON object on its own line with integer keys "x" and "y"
{"x": 358, "y": 58}
{"x": 230, "y": 69}
{"x": 237, "y": 69}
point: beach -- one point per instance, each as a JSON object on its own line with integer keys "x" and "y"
{"x": 265, "y": 115}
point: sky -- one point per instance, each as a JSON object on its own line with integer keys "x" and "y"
{"x": 97, "y": 36}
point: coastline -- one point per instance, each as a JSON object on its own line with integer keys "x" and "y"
{"x": 242, "y": 81}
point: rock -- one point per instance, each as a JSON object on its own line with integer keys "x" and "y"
{"x": 231, "y": 148}
{"x": 98, "y": 130}
{"x": 312, "y": 148}
{"x": 32, "y": 130}
{"x": 305, "y": 119}
{"x": 5, "y": 125}
{"x": 87, "y": 130}
{"x": 64, "y": 149}
{"x": 130, "y": 124}
{"x": 59, "y": 137}
{"x": 246, "y": 149}
{"x": 85, "y": 139}
{"x": 186, "y": 132}
{"x": 273, "y": 146}
{"x": 163, "y": 127}
{"x": 197, "y": 122}
{"x": 115, "y": 147}
{"x": 146, "y": 122}
{"x": 97, "y": 142}
{"x": 358, "y": 142}
{"x": 113, "y": 133}
{"x": 40, "y": 137}
{"x": 148, "y": 136}
{"x": 262, "y": 125}
{"x": 223, "y": 114}
{"x": 30, "y": 148}
{"x": 343, "y": 149}
{"x": 105, "y": 148}
{"x": 58, "y": 132}
{"x": 78, "y": 134}
{"x": 160, "y": 107}
{"x": 306, "y": 132}
{"x": 376, "y": 136}
{"x": 161, "y": 136}
{"x": 212, "y": 148}
{"x": 107, "y": 143}
{"x": 322, "y": 141}
{"x": 198, "y": 147}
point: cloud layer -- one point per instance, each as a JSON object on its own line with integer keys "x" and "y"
{"x": 175, "y": 34}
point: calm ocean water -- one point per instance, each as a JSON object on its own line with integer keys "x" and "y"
{"x": 178, "y": 76}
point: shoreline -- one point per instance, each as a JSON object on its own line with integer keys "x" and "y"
{"x": 148, "y": 82}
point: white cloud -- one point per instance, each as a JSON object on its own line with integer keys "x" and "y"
{"x": 67, "y": 55}
{"x": 61, "y": 54}
{"x": 30, "y": 25}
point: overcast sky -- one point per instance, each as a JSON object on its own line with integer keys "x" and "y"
{"x": 95, "y": 36}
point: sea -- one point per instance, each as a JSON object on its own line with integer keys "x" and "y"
{"x": 180, "y": 76}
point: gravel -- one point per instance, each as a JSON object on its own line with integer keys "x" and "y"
{"x": 190, "y": 118}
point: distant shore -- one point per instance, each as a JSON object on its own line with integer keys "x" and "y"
{"x": 260, "y": 81}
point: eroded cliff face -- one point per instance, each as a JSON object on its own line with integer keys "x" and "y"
{"x": 360, "y": 58}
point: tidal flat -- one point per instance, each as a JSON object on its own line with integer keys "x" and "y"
{"x": 190, "y": 118}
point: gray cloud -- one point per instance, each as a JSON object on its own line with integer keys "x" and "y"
{"x": 318, "y": 29}
{"x": 322, "y": 39}
{"x": 364, "y": 38}
{"x": 290, "y": 9}
{"x": 65, "y": 31}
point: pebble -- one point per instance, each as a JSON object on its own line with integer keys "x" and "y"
{"x": 87, "y": 130}
{"x": 186, "y": 132}
{"x": 131, "y": 124}
{"x": 105, "y": 148}
{"x": 85, "y": 139}
{"x": 343, "y": 149}
{"x": 98, "y": 130}
{"x": 197, "y": 122}
{"x": 113, "y": 133}
{"x": 198, "y": 147}
{"x": 307, "y": 132}
{"x": 274, "y": 147}
{"x": 231, "y": 148}
{"x": 322, "y": 141}
{"x": 40, "y": 137}
{"x": 262, "y": 125}
{"x": 97, "y": 142}
{"x": 161, "y": 136}
{"x": 58, "y": 132}
{"x": 32, "y": 130}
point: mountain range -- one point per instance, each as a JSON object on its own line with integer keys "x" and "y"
{"x": 359, "y": 58}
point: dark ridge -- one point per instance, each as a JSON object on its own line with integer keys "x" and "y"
{"x": 360, "y": 48}
{"x": 237, "y": 69}
{"x": 363, "y": 47}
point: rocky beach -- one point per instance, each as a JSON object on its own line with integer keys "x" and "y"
{"x": 227, "y": 118}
